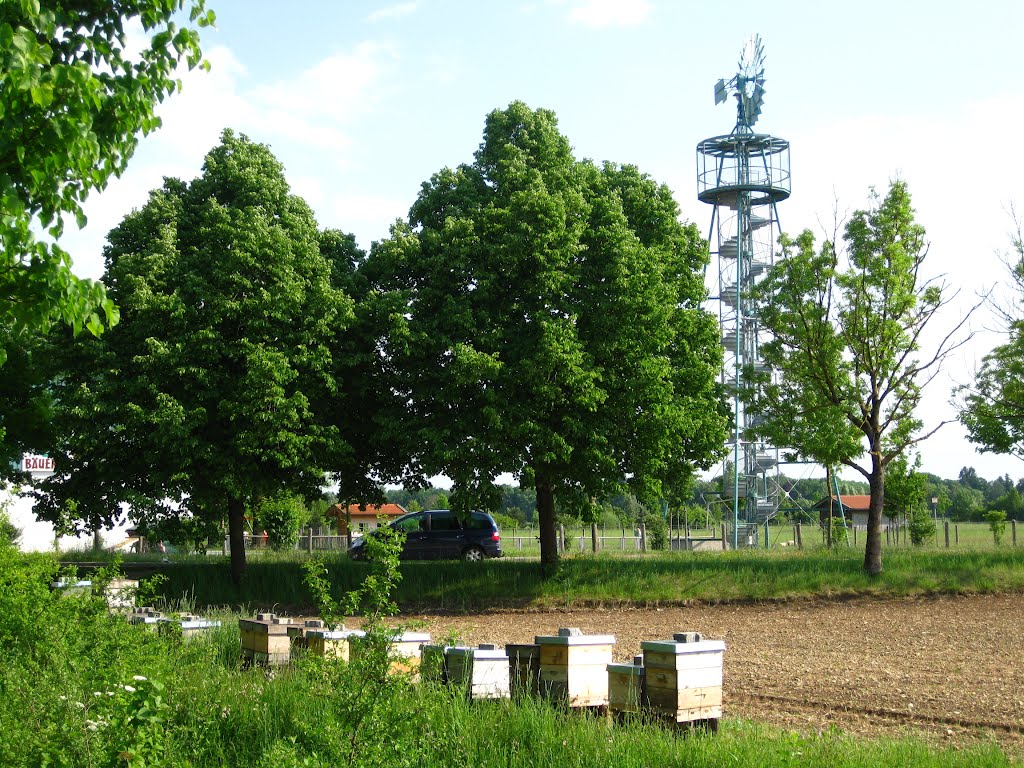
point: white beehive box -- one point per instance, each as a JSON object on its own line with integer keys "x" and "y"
{"x": 684, "y": 679}
{"x": 434, "y": 663}
{"x": 146, "y": 616}
{"x": 482, "y": 672}
{"x": 188, "y": 624}
{"x": 574, "y": 667}
{"x": 120, "y": 594}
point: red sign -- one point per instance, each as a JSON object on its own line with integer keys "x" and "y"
{"x": 34, "y": 463}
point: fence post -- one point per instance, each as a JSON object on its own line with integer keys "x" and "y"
{"x": 643, "y": 537}
{"x": 799, "y": 536}
{"x": 561, "y": 538}
{"x": 1013, "y": 531}
{"x": 945, "y": 528}
{"x": 725, "y": 539}
{"x": 309, "y": 540}
{"x": 593, "y": 536}
{"x": 854, "y": 535}
{"x": 956, "y": 534}
{"x": 225, "y": 547}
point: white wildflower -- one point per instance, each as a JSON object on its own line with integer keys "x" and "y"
{"x": 129, "y": 689}
{"x": 138, "y": 678}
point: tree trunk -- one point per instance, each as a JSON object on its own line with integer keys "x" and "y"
{"x": 873, "y": 547}
{"x": 546, "y": 523}
{"x": 236, "y": 537}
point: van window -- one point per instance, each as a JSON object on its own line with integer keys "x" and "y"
{"x": 444, "y": 521}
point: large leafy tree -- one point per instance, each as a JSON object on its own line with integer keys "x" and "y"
{"x": 993, "y": 407}
{"x": 73, "y": 104}
{"x": 846, "y": 328}
{"x": 205, "y": 397}
{"x": 555, "y": 328}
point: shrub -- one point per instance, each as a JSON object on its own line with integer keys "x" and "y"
{"x": 996, "y": 520}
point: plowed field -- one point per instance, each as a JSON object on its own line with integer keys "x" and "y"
{"x": 948, "y": 668}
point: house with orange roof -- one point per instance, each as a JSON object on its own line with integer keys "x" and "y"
{"x": 363, "y": 517}
{"x": 854, "y": 509}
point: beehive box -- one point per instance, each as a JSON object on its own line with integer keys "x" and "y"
{"x": 524, "y": 669}
{"x": 265, "y": 640}
{"x": 145, "y": 615}
{"x": 297, "y": 632}
{"x": 684, "y": 677}
{"x": 626, "y": 688}
{"x": 120, "y": 594}
{"x": 332, "y": 643}
{"x": 74, "y": 587}
{"x": 482, "y": 671}
{"x": 574, "y": 667}
{"x": 434, "y": 663}
{"x": 187, "y": 624}
{"x": 404, "y": 652}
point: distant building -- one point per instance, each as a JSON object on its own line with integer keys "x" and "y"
{"x": 854, "y": 509}
{"x": 364, "y": 516}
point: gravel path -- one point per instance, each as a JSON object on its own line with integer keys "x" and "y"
{"x": 948, "y": 668}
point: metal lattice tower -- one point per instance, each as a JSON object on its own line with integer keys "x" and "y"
{"x": 744, "y": 175}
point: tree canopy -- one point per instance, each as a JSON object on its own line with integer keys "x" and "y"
{"x": 73, "y": 103}
{"x": 993, "y": 407}
{"x": 555, "y": 328}
{"x": 207, "y": 395}
{"x": 846, "y": 344}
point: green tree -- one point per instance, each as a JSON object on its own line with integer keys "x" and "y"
{"x": 846, "y": 341}
{"x": 73, "y": 104}
{"x": 555, "y": 325}
{"x": 204, "y": 398}
{"x": 993, "y": 407}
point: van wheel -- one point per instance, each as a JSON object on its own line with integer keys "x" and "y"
{"x": 473, "y": 555}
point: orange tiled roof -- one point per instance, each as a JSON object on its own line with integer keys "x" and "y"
{"x": 853, "y": 503}
{"x": 369, "y": 510}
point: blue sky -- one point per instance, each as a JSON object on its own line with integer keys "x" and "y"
{"x": 362, "y": 101}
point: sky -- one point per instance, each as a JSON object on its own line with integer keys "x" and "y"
{"x": 363, "y": 101}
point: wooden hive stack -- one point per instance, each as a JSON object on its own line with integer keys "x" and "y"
{"x": 626, "y": 688}
{"x": 297, "y": 633}
{"x": 332, "y": 643}
{"x": 265, "y": 639}
{"x": 482, "y": 671}
{"x": 523, "y": 669}
{"x": 574, "y": 667}
{"x": 684, "y": 678}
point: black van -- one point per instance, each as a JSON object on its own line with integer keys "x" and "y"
{"x": 438, "y": 534}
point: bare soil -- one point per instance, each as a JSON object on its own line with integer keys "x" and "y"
{"x": 949, "y": 669}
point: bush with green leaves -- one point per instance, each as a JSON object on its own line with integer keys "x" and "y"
{"x": 996, "y": 520}
{"x": 281, "y": 516}
{"x": 921, "y": 525}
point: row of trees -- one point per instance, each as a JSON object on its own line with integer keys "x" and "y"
{"x": 536, "y": 315}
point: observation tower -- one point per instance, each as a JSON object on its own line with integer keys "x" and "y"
{"x": 744, "y": 175}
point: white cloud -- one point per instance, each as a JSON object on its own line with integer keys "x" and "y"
{"x": 609, "y": 13}
{"x": 393, "y": 12}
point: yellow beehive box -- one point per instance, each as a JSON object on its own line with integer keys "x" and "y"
{"x": 574, "y": 667}
{"x": 404, "y": 652}
{"x": 332, "y": 643}
{"x": 434, "y": 663}
{"x": 297, "y": 632}
{"x": 265, "y": 640}
{"x": 626, "y": 687}
{"x": 482, "y": 671}
{"x": 684, "y": 677}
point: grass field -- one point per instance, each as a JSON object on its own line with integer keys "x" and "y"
{"x": 609, "y": 578}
